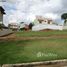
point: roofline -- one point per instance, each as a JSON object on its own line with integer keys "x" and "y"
{"x": 2, "y": 10}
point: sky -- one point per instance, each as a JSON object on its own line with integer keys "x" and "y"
{"x": 26, "y": 10}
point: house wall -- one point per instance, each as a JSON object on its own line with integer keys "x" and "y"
{"x": 13, "y": 26}
{"x": 1, "y": 18}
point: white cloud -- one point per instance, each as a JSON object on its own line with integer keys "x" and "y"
{"x": 40, "y": 7}
{"x": 27, "y": 9}
{"x": 17, "y": 16}
{"x": 11, "y": 1}
{"x": 1, "y": 3}
{"x": 35, "y": 6}
{"x": 52, "y": 16}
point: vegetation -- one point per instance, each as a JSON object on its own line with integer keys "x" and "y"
{"x": 40, "y": 33}
{"x": 19, "y": 51}
{"x": 1, "y": 26}
{"x": 32, "y": 50}
{"x": 64, "y": 16}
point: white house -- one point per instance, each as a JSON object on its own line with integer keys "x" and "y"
{"x": 40, "y": 27}
{"x": 45, "y": 23}
{"x": 42, "y": 20}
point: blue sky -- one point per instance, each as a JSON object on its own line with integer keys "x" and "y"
{"x": 26, "y": 10}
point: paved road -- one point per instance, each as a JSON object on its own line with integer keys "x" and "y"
{"x": 5, "y": 32}
{"x": 61, "y": 64}
{"x": 54, "y": 65}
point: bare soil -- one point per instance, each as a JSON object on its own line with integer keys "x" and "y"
{"x": 14, "y": 37}
{"x": 54, "y": 65}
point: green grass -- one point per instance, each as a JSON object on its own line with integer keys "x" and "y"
{"x": 20, "y": 51}
{"x": 40, "y": 33}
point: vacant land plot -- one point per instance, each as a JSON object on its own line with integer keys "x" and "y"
{"x": 40, "y": 33}
{"x": 19, "y": 51}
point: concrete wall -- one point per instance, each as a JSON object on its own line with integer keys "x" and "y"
{"x": 65, "y": 27}
{"x": 46, "y": 26}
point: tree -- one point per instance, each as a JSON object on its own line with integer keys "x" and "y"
{"x": 31, "y": 25}
{"x": 1, "y": 26}
{"x": 64, "y": 17}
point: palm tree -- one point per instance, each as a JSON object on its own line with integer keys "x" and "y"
{"x": 64, "y": 17}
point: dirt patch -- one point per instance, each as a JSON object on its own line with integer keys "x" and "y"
{"x": 14, "y": 37}
{"x": 54, "y": 65}
{"x": 39, "y": 64}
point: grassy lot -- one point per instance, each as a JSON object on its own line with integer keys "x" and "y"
{"x": 32, "y": 50}
{"x": 40, "y": 33}
{"x": 19, "y": 51}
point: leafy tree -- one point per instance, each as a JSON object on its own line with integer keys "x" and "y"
{"x": 1, "y": 26}
{"x": 64, "y": 17}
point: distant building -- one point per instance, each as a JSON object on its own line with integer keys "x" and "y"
{"x": 45, "y": 24}
{"x": 2, "y": 12}
{"x": 13, "y": 26}
{"x": 22, "y": 25}
{"x": 47, "y": 21}
{"x": 44, "y": 20}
